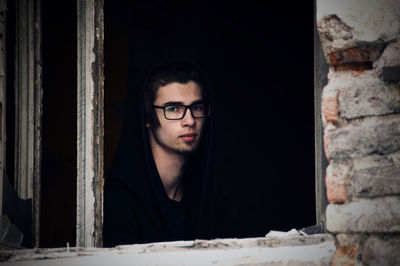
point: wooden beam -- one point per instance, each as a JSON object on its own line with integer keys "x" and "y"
{"x": 90, "y": 123}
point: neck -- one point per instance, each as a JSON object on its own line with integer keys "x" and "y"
{"x": 170, "y": 168}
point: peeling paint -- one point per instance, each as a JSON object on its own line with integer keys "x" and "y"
{"x": 90, "y": 123}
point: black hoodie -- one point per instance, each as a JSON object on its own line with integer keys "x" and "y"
{"x": 136, "y": 206}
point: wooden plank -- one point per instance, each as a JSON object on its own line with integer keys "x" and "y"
{"x": 90, "y": 123}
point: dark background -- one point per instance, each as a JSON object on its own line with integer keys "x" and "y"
{"x": 258, "y": 56}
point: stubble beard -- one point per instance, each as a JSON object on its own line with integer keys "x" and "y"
{"x": 187, "y": 149}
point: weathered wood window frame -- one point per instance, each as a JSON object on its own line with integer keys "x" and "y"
{"x": 28, "y": 114}
{"x": 28, "y": 106}
{"x": 321, "y": 69}
{"x": 90, "y": 104}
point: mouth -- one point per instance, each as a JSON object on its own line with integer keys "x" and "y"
{"x": 189, "y": 137}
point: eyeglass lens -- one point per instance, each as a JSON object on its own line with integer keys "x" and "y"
{"x": 178, "y": 111}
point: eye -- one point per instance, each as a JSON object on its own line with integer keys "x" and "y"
{"x": 173, "y": 108}
{"x": 198, "y": 107}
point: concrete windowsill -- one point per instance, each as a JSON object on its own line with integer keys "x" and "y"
{"x": 287, "y": 250}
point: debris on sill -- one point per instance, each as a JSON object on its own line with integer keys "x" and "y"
{"x": 310, "y": 230}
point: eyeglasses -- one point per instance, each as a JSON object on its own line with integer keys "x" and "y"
{"x": 178, "y": 111}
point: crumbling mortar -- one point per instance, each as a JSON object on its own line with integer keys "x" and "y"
{"x": 358, "y": 120}
{"x": 345, "y": 121}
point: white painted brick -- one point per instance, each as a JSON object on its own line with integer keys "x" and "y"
{"x": 376, "y": 176}
{"x": 375, "y": 135}
{"x": 370, "y": 216}
{"x": 365, "y": 94}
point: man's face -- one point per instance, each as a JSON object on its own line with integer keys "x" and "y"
{"x": 180, "y": 136}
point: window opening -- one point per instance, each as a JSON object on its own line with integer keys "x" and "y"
{"x": 58, "y": 207}
{"x": 265, "y": 150}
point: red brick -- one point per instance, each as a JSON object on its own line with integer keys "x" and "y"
{"x": 327, "y": 141}
{"x": 354, "y": 55}
{"x": 336, "y": 176}
{"x": 345, "y": 256}
{"x": 330, "y": 106}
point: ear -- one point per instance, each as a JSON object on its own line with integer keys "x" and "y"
{"x": 147, "y": 125}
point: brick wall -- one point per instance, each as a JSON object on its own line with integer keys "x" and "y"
{"x": 361, "y": 119}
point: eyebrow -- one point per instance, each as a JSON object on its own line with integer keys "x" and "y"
{"x": 181, "y": 103}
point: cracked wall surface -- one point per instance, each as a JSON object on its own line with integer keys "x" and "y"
{"x": 361, "y": 119}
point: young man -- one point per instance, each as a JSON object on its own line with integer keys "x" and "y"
{"x": 157, "y": 188}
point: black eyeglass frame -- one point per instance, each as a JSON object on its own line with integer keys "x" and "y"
{"x": 184, "y": 112}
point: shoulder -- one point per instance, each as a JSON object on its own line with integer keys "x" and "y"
{"x": 119, "y": 218}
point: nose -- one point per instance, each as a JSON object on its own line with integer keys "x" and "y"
{"x": 188, "y": 120}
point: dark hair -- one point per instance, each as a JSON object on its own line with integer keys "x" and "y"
{"x": 164, "y": 74}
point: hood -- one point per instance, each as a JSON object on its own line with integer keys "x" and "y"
{"x": 133, "y": 167}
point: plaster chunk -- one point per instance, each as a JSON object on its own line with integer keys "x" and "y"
{"x": 364, "y": 24}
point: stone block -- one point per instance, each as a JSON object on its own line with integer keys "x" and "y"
{"x": 389, "y": 58}
{"x": 336, "y": 182}
{"x": 356, "y": 30}
{"x": 377, "y": 176}
{"x": 381, "y": 251}
{"x": 365, "y": 95}
{"x": 374, "y": 135}
{"x": 369, "y": 216}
